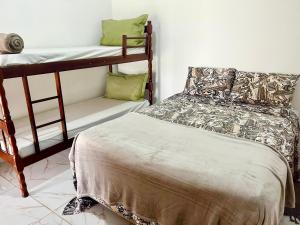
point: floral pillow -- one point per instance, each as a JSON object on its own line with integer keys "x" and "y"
{"x": 210, "y": 82}
{"x": 270, "y": 89}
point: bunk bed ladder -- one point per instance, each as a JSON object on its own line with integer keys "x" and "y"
{"x": 30, "y": 104}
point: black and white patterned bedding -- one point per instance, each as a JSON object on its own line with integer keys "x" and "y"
{"x": 275, "y": 127}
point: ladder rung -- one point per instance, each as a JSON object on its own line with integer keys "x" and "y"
{"x": 139, "y": 46}
{"x": 47, "y": 124}
{"x": 44, "y": 99}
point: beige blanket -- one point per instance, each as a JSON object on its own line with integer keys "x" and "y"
{"x": 178, "y": 175}
{"x": 11, "y": 43}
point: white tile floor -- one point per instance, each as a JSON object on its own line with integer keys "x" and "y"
{"x": 50, "y": 186}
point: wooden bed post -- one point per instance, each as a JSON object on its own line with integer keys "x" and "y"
{"x": 31, "y": 114}
{"x": 150, "y": 58}
{"x": 110, "y": 68}
{"x": 18, "y": 165}
{"x": 124, "y": 45}
{"x": 61, "y": 106}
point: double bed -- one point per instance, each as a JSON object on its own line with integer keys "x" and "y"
{"x": 189, "y": 160}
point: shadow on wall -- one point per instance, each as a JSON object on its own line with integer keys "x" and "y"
{"x": 157, "y": 68}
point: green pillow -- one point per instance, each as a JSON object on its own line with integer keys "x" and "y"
{"x": 145, "y": 75}
{"x": 126, "y": 87}
{"x": 112, "y": 31}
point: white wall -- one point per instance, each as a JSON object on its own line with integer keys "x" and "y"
{"x": 55, "y": 23}
{"x": 251, "y": 35}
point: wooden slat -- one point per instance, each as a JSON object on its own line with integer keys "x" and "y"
{"x": 140, "y": 46}
{"x": 52, "y": 67}
{"x": 28, "y": 160}
{"x": 61, "y": 106}
{"x": 44, "y": 99}
{"x": 31, "y": 114}
{"x": 130, "y": 38}
{"x": 48, "y": 124}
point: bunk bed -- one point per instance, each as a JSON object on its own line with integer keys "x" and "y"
{"x": 38, "y": 62}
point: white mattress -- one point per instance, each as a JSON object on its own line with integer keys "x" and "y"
{"x": 33, "y": 56}
{"x": 80, "y": 116}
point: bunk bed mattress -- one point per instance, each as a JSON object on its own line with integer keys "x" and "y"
{"x": 46, "y": 55}
{"x": 80, "y": 116}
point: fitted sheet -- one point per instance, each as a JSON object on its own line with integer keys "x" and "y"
{"x": 46, "y": 55}
{"x": 79, "y": 116}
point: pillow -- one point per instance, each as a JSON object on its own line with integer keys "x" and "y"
{"x": 210, "y": 82}
{"x": 125, "y": 87}
{"x": 270, "y": 89}
{"x": 112, "y": 31}
{"x": 142, "y": 74}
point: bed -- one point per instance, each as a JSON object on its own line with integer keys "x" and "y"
{"x": 19, "y": 148}
{"x": 79, "y": 117}
{"x": 189, "y": 159}
{"x": 47, "y": 55}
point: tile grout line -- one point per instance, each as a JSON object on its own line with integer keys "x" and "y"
{"x": 8, "y": 176}
{"x": 6, "y": 179}
{"x": 34, "y": 199}
{"x": 9, "y": 181}
{"x": 39, "y": 220}
{"x": 51, "y": 211}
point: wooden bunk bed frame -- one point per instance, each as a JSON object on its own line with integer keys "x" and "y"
{"x": 23, "y": 71}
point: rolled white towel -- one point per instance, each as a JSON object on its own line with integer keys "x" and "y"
{"x": 11, "y": 43}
